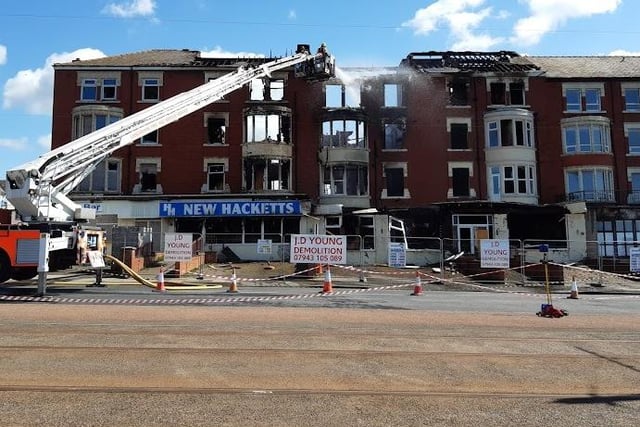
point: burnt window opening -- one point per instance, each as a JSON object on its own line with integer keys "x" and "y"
{"x": 392, "y": 95}
{"x": 395, "y": 182}
{"x": 150, "y": 138}
{"x": 216, "y": 130}
{"x": 394, "y": 135}
{"x": 459, "y": 92}
{"x": 148, "y": 177}
{"x": 498, "y": 93}
{"x": 267, "y": 174}
{"x": 343, "y": 133}
{"x": 459, "y": 136}
{"x": 516, "y": 93}
{"x": 267, "y": 89}
{"x": 351, "y": 180}
{"x": 270, "y": 128}
{"x": 460, "y": 182}
{"x": 215, "y": 177}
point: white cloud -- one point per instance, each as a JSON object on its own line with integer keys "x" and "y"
{"x": 14, "y": 144}
{"x": 622, "y": 52}
{"x": 32, "y": 90}
{"x": 131, "y": 9}
{"x": 44, "y": 141}
{"x": 548, "y": 15}
{"x": 218, "y": 52}
{"x": 462, "y": 17}
{"x": 3, "y": 54}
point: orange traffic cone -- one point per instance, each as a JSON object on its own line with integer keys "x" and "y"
{"x": 318, "y": 268}
{"x": 574, "y": 290}
{"x": 417, "y": 288}
{"x": 327, "y": 287}
{"x": 160, "y": 284}
{"x": 233, "y": 287}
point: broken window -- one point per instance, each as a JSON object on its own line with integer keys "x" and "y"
{"x": 510, "y": 132}
{"x": 392, "y": 95}
{"x": 394, "y": 135}
{"x": 342, "y": 96}
{"x": 263, "y": 127}
{"x": 216, "y": 130}
{"x": 148, "y": 177}
{"x": 458, "y": 92}
{"x": 395, "y": 181}
{"x": 460, "y": 182}
{"x": 516, "y": 93}
{"x": 458, "y": 136}
{"x": 150, "y": 138}
{"x": 267, "y": 174}
{"x": 215, "y": 176}
{"x": 498, "y": 93}
{"x": 351, "y": 180}
{"x": 266, "y": 89}
{"x": 333, "y": 224}
{"x": 343, "y": 133}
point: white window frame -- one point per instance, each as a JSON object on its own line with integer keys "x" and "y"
{"x": 113, "y": 83}
{"x": 635, "y": 87}
{"x": 629, "y": 129}
{"x": 92, "y": 85}
{"x": 599, "y": 194}
{"x": 578, "y": 125}
{"x": 583, "y": 89}
{"x": 222, "y": 163}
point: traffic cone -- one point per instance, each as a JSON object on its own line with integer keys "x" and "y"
{"x": 574, "y": 290}
{"x": 233, "y": 287}
{"x": 417, "y": 288}
{"x": 327, "y": 287}
{"x": 318, "y": 269}
{"x": 160, "y": 284}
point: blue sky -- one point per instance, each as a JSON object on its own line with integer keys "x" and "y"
{"x": 38, "y": 33}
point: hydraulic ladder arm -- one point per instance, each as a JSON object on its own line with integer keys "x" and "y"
{"x": 38, "y": 189}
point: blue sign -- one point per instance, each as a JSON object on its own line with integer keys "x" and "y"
{"x": 229, "y": 208}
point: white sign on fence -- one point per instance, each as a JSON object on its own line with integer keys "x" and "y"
{"x": 634, "y": 259}
{"x": 264, "y": 246}
{"x": 318, "y": 249}
{"x": 494, "y": 253}
{"x": 178, "y": 247}
{"x": 397, "y": 255}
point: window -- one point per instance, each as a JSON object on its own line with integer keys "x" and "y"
{"x": 341, "y": 96}
{"x": 150, "y": 138}
{"x": 634, "y": 180}
{"x": 516, "y": 93}
{"x": 351, "y": 180}
{"x": 458, "y": 136}
{"x": 266, "y": 89}
{"x": 459, "y": 92}
{"x": 215, "y": 177}
{"x": 617, "y": 237}
{"x": 509, "y": 133}
{"x": 333, "y": 224}
{"x": 518, "y": 180}
{"x": 632, "y": 98}
{"x": 216, "y": 130}
{"x": 148, "y": 177}
{"x": 460, "y": 182}
{"x": 266, "y": 127}
{"x": 394, "y": 135}
{"x": 586, "y": 135}
{"x": 87, "y": 119}
{"x": 104, "y": 178}
{"x": 343, "y": 133}
{"x": 109, "y": 89}
{"x": 392, "y": 95}
{"x": 632, "y": 132}
{"x": 498, "y": 93}
{"x": 589, "y": 184}
{"x": 265, "y": 174}
{"x": 150, "y": 89}
{"x": 583, "y": 98}
{"x": 89, "y": 90}
{"x": 395, "y": 181}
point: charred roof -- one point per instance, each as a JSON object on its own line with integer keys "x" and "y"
{"x": 467, "y": 61}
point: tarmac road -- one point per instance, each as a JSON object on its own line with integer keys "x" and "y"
{"x": 131, "y": 365}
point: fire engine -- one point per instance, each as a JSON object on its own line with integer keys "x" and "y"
{"x": 53, "y": 231}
